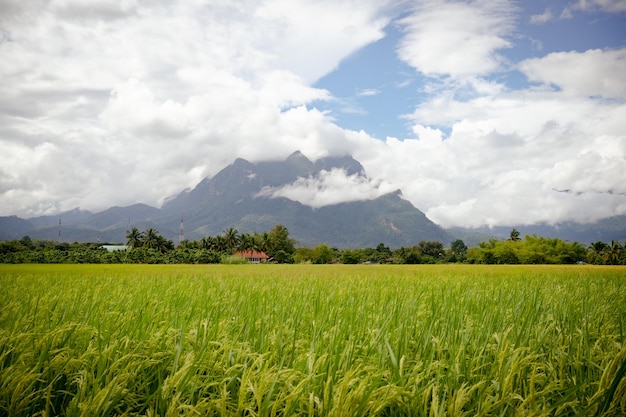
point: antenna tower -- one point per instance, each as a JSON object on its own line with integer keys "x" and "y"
{"x": 181, "y": 237}
{"x": 59, "y": 231}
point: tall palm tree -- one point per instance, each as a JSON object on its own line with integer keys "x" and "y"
{"x": 262, "y": 241}
{"x": 514, "y": 236}
{"x": 613, "y": 252}
{"x": 207, "y": 243}
{"x": 219, "y": 244}
{"x": 164, "y": 244}
{"x": 151, "y": 239}
{"x": 231, "y": 237}
{"x": 597, "y": 251}
{"x": 247, "y": 242}
{"x": 134, "y": 238}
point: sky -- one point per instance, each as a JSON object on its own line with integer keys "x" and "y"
{"x": 482, "y": 112}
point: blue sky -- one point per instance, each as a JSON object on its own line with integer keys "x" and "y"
{"x": 373, "y": 88}
{"x": 481, "y": 111}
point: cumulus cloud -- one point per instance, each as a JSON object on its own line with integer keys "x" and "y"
{"x": 457, "y": 38}
{"x": 507, "y": 153}
{"x": 113, "y": 103}
{"x": 346, "y": 27}
{"x": 328, "y": 188}
{"x": 591, "y": 73}
{"x": 117, "y": 102}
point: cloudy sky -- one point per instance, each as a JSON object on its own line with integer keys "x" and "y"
{"x": 480, "y": 111}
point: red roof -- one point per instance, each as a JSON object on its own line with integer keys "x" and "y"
{"x": 252, "y": 254}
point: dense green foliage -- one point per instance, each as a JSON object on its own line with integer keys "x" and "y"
{"x": 531, "y": 250}
{"x": 541, "y": 250}
{"x": 55, "y": 253}
{"x": 276, "y": 243}
{"x": 150, "y": 247}
{"x": 312, "y": 340}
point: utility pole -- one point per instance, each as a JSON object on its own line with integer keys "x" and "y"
{"x": 181, "y": 237}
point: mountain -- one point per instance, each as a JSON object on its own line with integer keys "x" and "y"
{"x": 119, "y": 217}
{"x": 77, "y": 225}
{"x": 236, "y": 197}
{"x": 12, "y": 227}
{"x": 231, "y": 199}
{"x": 67, "y": 216}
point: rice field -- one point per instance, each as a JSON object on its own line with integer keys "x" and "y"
{"x": 327, "y": 340}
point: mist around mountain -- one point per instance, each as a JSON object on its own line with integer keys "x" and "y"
{"x": 245, "y": 196}
{"x": 251, "y": 197}
{"x": 234, "y": 198}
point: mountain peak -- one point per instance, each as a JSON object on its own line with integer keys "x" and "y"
{"x": 231, "y": 199}
{"x": 298, "y": 160}
{"x": 240, "y": 162}
{"x": 346, "y": 162}
{"x": 296, "y": 155}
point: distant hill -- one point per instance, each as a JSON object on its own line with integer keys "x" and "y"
{"x": 12, "y": 227}
{"x": 231, "y": 199}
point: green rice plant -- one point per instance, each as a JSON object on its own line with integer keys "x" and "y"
{"x": 233, "y": 260}
{"x": 315, "y": 340}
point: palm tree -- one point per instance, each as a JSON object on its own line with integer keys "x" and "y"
{"x": 597, "y": 251}
{"x": 188, "y": 244}
{"x": 231, "y": 238}
{"x": 207, "y": 243}
{"x": 219, "y": 244}
{"x": 151, "y": 239}
{"x": 262, "y": 241}
{"x": 514, "y": 237}
{"x": 247, "y": 242}
{"x": 613, "y": 253}
{"x": 164, "y": 244}
{"x": 134, "y": 238}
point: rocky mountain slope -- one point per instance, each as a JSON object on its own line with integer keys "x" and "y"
{"x": 234, "y": 198}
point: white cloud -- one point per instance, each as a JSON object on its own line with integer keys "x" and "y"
{"x": 94, "y": 9}
{"x": 101, "y": 99}
{"x": 591, "y": 73}
{"x": 507, "y": 152}
{"x": 113, "y": 103}
{"x": 457, "y": 38}
{"x": 339, "y": 28}
{"x": 368, "y": 92}
{"x": 612, "y": 6}
{"x": 540, "y": 19}
{"x": 328, "y": 188}
{"x": 608, "y": 6}
{"x": 505, "y": 156}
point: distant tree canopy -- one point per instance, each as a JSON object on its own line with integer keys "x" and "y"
{"x": 530, "y": 250}
{"x": 150, "y": 239}
{"x": 150, "y": 247}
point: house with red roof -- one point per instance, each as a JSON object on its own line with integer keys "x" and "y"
{"x": 254, "y": 257}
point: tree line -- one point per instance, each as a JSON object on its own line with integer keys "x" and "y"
{"x": 542, "y": 250}
{"x": 150, "y": 246}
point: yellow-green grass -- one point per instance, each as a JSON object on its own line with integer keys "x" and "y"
{"x": 328, "y": 340}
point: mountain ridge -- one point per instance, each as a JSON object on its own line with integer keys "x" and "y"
{"x": 233, "y": 198}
